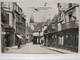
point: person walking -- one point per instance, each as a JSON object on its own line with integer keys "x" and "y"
{"x": 41, "y": 42}
{"x": 19, "y": 43}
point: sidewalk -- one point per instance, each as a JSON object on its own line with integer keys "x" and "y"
{"x": 60, "y": 50}
{"x": 12, "y": 48}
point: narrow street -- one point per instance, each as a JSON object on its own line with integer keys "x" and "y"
{"x": 29, "y": 48}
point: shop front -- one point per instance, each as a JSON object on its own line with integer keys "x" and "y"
{"x": 68, "y": 39}
{"x": 71, "y": 40}
{"x": 9, "y": 37}
{"x": 37, "y": 40}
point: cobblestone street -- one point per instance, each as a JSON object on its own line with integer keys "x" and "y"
{"x": 30, "y": 48}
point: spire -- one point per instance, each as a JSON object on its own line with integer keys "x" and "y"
{"x": 32, "y": 19}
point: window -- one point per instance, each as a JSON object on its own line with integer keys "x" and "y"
{"x": 70, "y": 16}
{"x": 59, "y": 26}
{"x": 53, "y": 26}
{"x": 7, "y": 19}
{"x": 70, "y": 5}
{"x": 6, "y": 4}
{"x": 61, "y": 40}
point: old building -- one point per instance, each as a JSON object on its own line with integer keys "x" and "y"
{"x": 29, "y": 31}
{"x": 63, "y": 31}
{"x": 13, "y": 22}
{"x": 69, "y": 26}
{"x": 50, "y": 33}
{"x": 37, "y": 33}
{"x": 23, "y": 28}
{"x": 45, "y": 25}
{"x": 3, "y": 20}
{"x": 29, "y": 35}
{"x": 20, "y": 24}
{"x": 9, "y": 23}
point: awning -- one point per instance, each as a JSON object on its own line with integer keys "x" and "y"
{"x": 19, "y": 36}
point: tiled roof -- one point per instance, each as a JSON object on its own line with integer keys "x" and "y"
{"x": 35, "y": 24}
{"x": 29, "y": 30}
{"x": 38, "y": 27}
{"x": 47, "y": 22}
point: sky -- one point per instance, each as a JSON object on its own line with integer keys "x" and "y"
{"x": 44, "y": 12}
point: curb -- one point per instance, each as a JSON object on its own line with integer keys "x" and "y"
{"x": 59, "y": 50}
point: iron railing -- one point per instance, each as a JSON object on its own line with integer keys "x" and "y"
{"x": 71, "y": 24}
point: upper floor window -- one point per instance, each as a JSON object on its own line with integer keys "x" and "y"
{"x": 7, "y": 19}
{"x": 15, "y": 7}
{"x": 53, "y": 26}
{"x": 59, "y": 27}
{"x": 6, "y": 5}
{"x": 70, "y": 5}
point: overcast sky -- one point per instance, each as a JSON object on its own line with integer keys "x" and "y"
{"x": 41, "y": 15}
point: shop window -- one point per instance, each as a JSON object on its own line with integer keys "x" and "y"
{"x": 61, "y": 40}
{"x": 59, "y": 27}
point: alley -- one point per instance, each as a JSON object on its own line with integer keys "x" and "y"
{"x": 29, "y": 48}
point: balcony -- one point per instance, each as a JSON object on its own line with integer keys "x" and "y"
{"x": 71, "y": 24}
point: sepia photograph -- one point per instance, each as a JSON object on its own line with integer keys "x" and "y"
{"x": 39, "y": 28}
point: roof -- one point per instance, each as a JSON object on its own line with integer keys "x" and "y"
{"x": 38, "y": 27}
{"x": 34, "y": 24}
{"x": 28, "y": 30}
{"x": 47, "y": 22}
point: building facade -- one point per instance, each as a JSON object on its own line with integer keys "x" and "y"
{"x": 29, "y": 35}
{"x": 50, "y": 33}
{"x": 3, "y": 20}
{"x": 37, "y": 33}
{"x": 64, "y": 32}
{"x": 20, "y": 24}
{"x": 69, "y": 26}
{"x": 14, "y": 22}
{"x": 9, "y": 23}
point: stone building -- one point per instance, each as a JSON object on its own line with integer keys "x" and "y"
{"x": 9, "y": 23}
{"x": 20, "y": 23}
{"x": 14, "y": 22}
{"x": 37, "y": 33}
{"x": 3, "y": 20}
{"x": 69, "y": 18}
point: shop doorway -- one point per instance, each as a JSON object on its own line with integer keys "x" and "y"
{"x": 7, "y": 41}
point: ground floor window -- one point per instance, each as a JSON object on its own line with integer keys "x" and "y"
{"x": 61, "y": 40}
